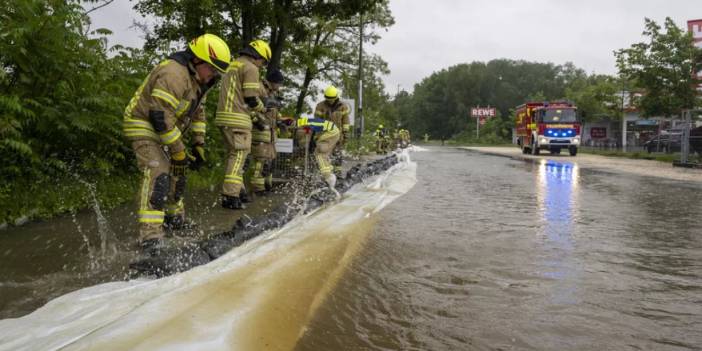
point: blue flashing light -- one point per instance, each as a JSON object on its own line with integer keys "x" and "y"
{"x": 570, "y": 131}
{"x": 550, "y": 131}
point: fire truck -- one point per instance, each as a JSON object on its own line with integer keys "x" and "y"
{"x": 547, "y": 126}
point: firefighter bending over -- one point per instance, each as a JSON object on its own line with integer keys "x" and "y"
{"x": 167, "y": 104}
{"x": 239, "y": 97}
{"x": 325, "y": 136}
{"x": 264, "y": 135}
{"x": 333, "y": 109}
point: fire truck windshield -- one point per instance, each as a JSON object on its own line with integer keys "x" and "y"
{"x": 558, "y": 115}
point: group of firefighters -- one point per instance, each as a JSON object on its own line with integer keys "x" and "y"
{"x": 170, "y": 102}
{"x": 384, "y": 139}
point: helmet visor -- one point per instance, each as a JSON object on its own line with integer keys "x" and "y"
{"x": 219, "y": 64}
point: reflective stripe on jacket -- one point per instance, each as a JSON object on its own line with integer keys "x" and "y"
{"x": 173, "y": 89}
{"x": 241, "y": 80}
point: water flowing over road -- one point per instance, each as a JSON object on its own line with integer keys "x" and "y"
{"x": 483, "y": 253}
{"x": 493, "y": 253}
{"x": 259, "y": 296}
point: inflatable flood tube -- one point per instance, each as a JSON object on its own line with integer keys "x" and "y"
{"x": 172, "y": 260}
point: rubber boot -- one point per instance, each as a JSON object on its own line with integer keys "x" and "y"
{"x": 151, "y": 247}
{"x": 244, "y": 196}
{"x": 331, "y": 180}
{"x": 232, "y": 202}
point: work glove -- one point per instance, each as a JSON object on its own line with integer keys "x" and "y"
{"x": 258, "y": 122}
{"x": 178, "y": 164}
{"x": 197, "y": 156}
{"x": 272, "y": 102}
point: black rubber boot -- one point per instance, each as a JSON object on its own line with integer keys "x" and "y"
{"x": 152, "y": 246}
{"x": 244, "y": 196}
{"x": 232, "y": 202}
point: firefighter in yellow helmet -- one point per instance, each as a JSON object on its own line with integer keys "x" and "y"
{"x": 333, "y": 109}
{"x": 239, "y": 97}
{"x": 324, "y": 136}
{"x": 167, "y": 104}
{"x": 263, "y": 136}
{"x": 380, "y": 139}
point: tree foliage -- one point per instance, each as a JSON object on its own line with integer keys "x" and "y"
{"x": 663, "y": 68}
{"x": 311, "y": 41}
{"x": 440, "y": 104}
{"x": 61, "y": 95}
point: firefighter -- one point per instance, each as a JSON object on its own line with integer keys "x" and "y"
{"x": 239, "y": 97}
{"x": 263, "y": 136}
{"x": 333, "y": 109}
{"x": 167, "y": 104}
{"x": 380, "y": 139}
{"x": 404, "y": 138}
{"x": 325, "y": 136}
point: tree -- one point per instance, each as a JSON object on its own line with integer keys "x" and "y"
{"x": 310, "y": 40}
{"x": 663, "y": 68}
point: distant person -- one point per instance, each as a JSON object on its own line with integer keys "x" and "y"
{"x": 239, "y": 97}
{"x": 379, "y": 135}
{"x": 335, "y": 110}
{"x": 323, "y": 139}
{"x": 426, "y": 137}
{"x": 167, "y": 104}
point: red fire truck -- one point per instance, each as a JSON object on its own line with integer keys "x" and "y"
{"x": 547, "y": 126}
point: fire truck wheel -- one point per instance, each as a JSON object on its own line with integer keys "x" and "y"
{"x": 573, "y": 150}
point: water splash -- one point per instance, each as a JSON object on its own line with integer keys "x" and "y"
{"x": 229, "y": 303}
{"x": 108, "y": 247}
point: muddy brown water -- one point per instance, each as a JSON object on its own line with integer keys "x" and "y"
{"x": 484, "y": 253}
{"x": 491, "y": 253}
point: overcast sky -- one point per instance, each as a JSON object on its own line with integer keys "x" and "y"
{"x": 431, "y": 35}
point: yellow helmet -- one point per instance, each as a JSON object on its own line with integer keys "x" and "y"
{"x": 262, "y": 49}
{"x": 211, "y": 49}
{"x": 380, "y": 126}
{"x": 331, "y": 93}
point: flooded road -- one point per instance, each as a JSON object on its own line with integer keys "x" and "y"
{"x": 491, "y": 253}
{"x": 483, "y": 253}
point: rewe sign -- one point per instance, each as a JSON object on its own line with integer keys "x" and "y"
{"x": 483, "y": 112}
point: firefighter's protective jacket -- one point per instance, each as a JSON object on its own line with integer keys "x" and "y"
{"x": 320, "y": 128}
{"x": 239, "y": 82}
{"x": 337, "y": 113}
{"x": 172, "y": 88}
{"x": 267, "y": 120}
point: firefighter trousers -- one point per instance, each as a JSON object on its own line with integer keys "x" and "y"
{"x": 261, "y": 173}
{"x": 327, "y": 145}
{"x": 337, "y": 157}
{"x": 160, "y": 193}
{"x": 238, "y": 143}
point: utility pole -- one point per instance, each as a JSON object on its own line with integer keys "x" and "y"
{"x": 361, "y": 123}
{"x": 623, "y": 121}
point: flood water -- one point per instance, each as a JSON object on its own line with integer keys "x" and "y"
{"x": 491, "y": 253}
{"x": 482, "y": 253}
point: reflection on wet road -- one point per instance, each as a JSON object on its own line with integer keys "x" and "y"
{"x": 491, "y": 253}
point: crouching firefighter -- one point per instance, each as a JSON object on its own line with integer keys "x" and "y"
{"x": 325, "y": 135}
{"x": 337, "y": 111}
{"x": 167, "y": 104}
{"x": 264, "y": 134}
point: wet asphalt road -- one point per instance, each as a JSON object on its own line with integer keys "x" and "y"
{"x": 492, "y": 253}
{"x": 484, "y": 253}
